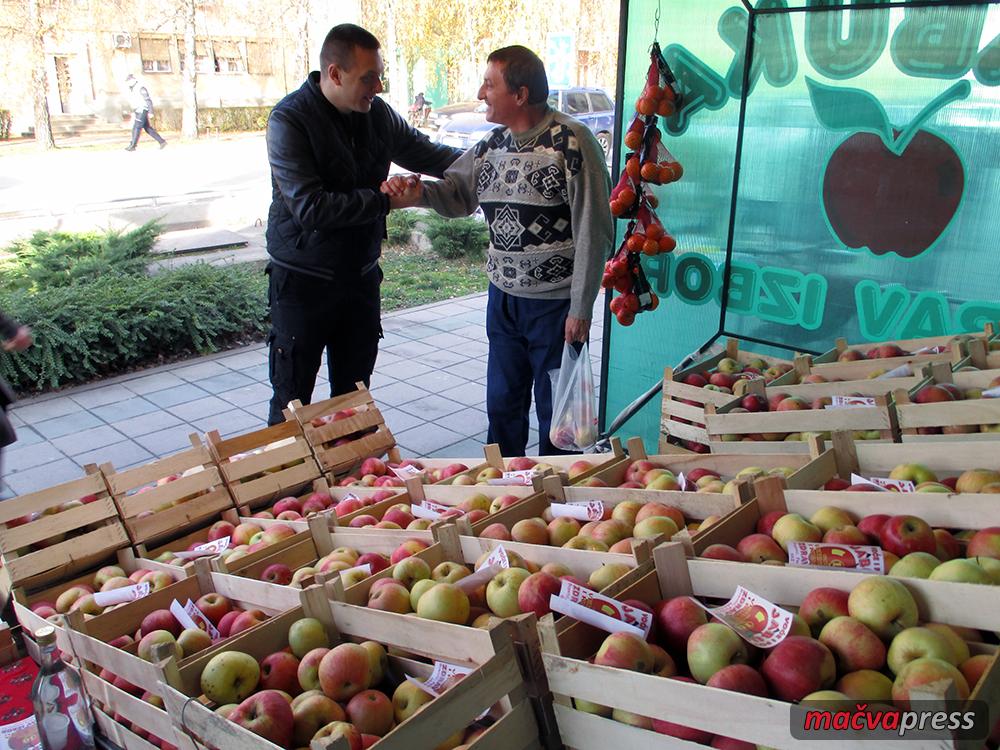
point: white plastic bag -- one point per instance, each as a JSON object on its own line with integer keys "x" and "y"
{"x": 574, "y": 416}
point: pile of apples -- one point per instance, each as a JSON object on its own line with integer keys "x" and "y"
{"x": 523, "y": 587}
{"x": 299, "y": 508}
{"x": 944, "y": 392}
{"x": 316, "y": 690}
{"x": 863, "y": 644}
{"x": 912, "y": 549}
{"x": 160, "y": 626}
{"x": 754, "y": 403}
{"x": 167, "y": 480}
{"x": 340, "y": 560}
{"x": 81, "y": 596}
{"x": 724, "y": 376}
{"x": 646, "y": 475}
{"x": 244, "y": 539}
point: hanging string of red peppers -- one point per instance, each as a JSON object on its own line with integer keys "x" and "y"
{"x": 648, "y": 162}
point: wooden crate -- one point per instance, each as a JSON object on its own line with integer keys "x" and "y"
{"x": 265, "y": 465}
{"x": 555, "y": 464}
{"x": 911, "y": 345}
{"x": 366, "y": 431}
{"x": 764, "y": 721}
{"x": 23, "y": 599}
{"x": 88, "y": 533}
{"x": 160, "y": 552}
{"x": 152, "y": 510}
{"x": 767, "y": 432}
{"x": 959, "y": 510}
{"x": 88, "y": 642}
{"x": 682, "y": 410}
{"x": 919, "y": 422}
{"x": 496, "y": 679}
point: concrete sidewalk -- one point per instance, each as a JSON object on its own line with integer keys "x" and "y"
{"x": 429, "y": 382}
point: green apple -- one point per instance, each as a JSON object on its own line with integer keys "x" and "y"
{"x": 828, "y": 518}
{"x": 306, "y": 634}
{"x": 420, "y": 588}
{"x": 916, "y": 473}
{"x": 792, "y": 527}
{"x": 917, "y": 643}
{"x": 961, "y": 571}
{"x": 230, "y": 677}
{"x": 883, "y": 604}
{"x": 711, "y": 647}
{"x": 915, "y": 565}
{"x": 444, "y": 602}
{"x": 501, "y": 592}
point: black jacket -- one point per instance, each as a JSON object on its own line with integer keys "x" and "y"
{"x": 327, "y": 215}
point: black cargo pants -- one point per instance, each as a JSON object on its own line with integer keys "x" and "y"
{"x": 308, "y": 315}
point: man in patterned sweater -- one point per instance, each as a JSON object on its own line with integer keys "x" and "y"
{"x": 541, "y": 180}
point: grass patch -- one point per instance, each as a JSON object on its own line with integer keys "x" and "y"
{"x": 414, "y": 277}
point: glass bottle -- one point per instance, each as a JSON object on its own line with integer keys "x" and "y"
{"x": 61, "y": 711}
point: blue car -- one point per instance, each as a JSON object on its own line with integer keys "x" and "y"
{"x": 592, "y": 107}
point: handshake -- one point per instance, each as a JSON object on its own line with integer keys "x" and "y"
{"x": 403, "y": 190}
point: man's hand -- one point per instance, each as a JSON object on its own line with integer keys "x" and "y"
{"x": 403, "y": 191}
{"x": 21, "y": 340}
{"x": 577, "y": 330}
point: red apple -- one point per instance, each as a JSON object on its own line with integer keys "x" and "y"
{"x": 213, "y": 606}
{"x": 267, "y": 714}
{"x": 279, "y": 671}
{"x": 902, "y": 535}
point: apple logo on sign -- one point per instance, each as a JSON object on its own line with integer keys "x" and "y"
{"x": 887, "y": 190}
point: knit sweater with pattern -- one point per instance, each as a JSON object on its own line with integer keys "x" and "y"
{"x": 545, "y": 196}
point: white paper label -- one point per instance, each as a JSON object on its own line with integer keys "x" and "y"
{"x": 849, "y": 402}
{"x": 592, "y": 510}
{"x": 21, "y": 735}
{"x": 351, "y": 496}
{"x": 431, "y": 510}
{"x": 405, "y": 472}
{"x": 122, "y": 595}
{"x": 367, "y": 568}
{"x": 205, "y": 550}
{"x": 182, "y": 616}
{"x": 682, "y": 482}
{"x": 602, "y": 612}
{"x": 492, "y": 565}
{"x": 201, "y": 622}
{"x": 521, "y": 478}
{"x": 992, "y": 392}
{"x": 889, "y": 485}
{"x": 931, "y": 350}
{"x": 444, "y": 677}
{"x": 856, "y": 557}
{"x": 903, "y": 371}
{"x": 754, "y": 618}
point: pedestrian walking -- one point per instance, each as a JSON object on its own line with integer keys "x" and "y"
{"x": 142, "y": 113}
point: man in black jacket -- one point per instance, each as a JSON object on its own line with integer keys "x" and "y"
{"x": 329, "y": 145}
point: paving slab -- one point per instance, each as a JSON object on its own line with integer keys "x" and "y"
{"x": 428, "y": 381}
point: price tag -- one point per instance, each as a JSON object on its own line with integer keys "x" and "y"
{"x": 592, "y": 510}
{"x": 492, "y": 565}
{"x": 205, "y": 550}
{"x": 849, "y": 402}
{"x": 856, "y": 557}
{"x": 428, "y": 509}
{"x": 406, "y": 472}
{"x": 931, "y": 350}
{"x": 683, "y": 483}
{"x": 443, "y": 677}
{"x": 889, "y": 485}
{"x": 521, "y": 478}
{"x": 367, "y": 568}
{"x": 201, "y": 622}
{"x": 123, "y": 595}
{"x": 903, "y": 371}
{"x": 602, "y": 612}
{"x": 992, "y": 392}
{"x": 754, "y": 618}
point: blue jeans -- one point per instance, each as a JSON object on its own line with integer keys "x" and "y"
{"x": 526, "y": 341}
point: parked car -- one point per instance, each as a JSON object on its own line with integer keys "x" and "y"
{"x": 442, "y": 115}
{"x": 592, "y": 107}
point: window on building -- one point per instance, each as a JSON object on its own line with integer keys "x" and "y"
{"x": 204, "y": 61}
{"x": 228, "y": 56}
{"x": 259, "y": 58}
{"x": 155, "y": 54}
{"x": 576, "y": 103}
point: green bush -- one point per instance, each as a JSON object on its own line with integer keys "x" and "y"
{"x": 216, "y": 119}
{"x": 457, "y": 238}
{"x": 399, "y": 227}
{"x": 55, "y": 259}
{"x": 5, "y": 124}
{"x": 116, "y": 321}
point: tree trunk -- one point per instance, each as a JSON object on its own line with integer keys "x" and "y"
{"x": 39, "y": 80}
{"x": 189, "y": 88}
{"x": 470, "y": 80}
{"x": 399, "y": 96}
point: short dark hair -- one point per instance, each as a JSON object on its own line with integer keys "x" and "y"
{"x": 338, "y": 47}
{"x": 522, "y": 67}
